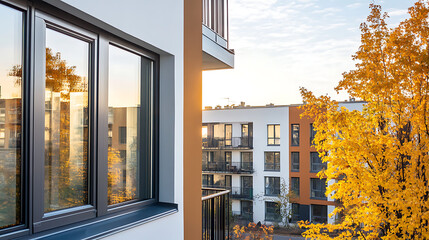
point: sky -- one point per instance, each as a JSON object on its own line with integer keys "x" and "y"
{"x": 281, "y": 45}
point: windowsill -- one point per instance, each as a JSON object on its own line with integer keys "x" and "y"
{"x": 270, "y": 170}
{"x": 273, "y": 144}
{"x": 109, "y": 224}
{"x": 294, "y": 170}
{"x": 294, "y": 145}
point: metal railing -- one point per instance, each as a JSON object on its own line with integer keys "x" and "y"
{"x": 230, "y": 167}
{"x": 272, "y": 166}
{"x": 228, "y": 143}
{"x": 245, "y": 193}
{"x": 215, "y": 16}
{"x": 215, "y": 212}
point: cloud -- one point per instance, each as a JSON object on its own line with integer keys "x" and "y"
{"x": 397, "y": 12}
{"x": 354, "y": 5}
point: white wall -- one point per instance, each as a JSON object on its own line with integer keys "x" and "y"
{"x": 260, "y": 118}
{"x": 159, "y": 24}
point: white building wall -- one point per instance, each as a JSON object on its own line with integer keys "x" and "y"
{"x": 260, "y": 117}
{"x": 159, "y": 25}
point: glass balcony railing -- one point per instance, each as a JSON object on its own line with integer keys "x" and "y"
{"x": 230, "y": 167}
{"x": 242, "y": 193}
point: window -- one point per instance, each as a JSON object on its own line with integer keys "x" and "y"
{"x": 272, "y": 161}
{"x": 319, "y": 213}
{"x": 294, "y": 161}
{"x": 295, "y": 134}
{"x": 247, "y": 186}
{"x": 272, "y": 212}
{"x": 294, "y": 185}
{"x": 246, "y": 210}
{"x": 89, "y": 120}
{"x": 273, "y": 134}
{"x": 246, "y": 132}
{"x": 246, "y": 161}
{"x": 122, "y": 134}
{"x": 312, "y": 134}
{"x": 316, "y": 162}
{"x": 228, "y": 181}
{"x": 318, "y": 188}
{"x": 208, "y": 180}
{"x": 11, "y": 63}
{"x": 228, "y": 134}
{"x": 272, "y": 186}
{"x": 295, "y": 212}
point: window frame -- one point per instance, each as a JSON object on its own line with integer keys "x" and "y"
{"x": 276, "y": 164}
{"x": 292, "y": 136}
{"x": 322, "y": 183}
{"x": 292, "y": 163}
{"x": 292, "y": 185}
{"x": 320, "y": 165}
{"x": 266, "y": 178}
{"x": 274, "y": 138}
{"x": 276, "y": 209}
{"x": 33, "y": 221}
{"x": 312, "y": 134}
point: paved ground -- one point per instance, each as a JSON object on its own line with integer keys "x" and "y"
{"x": 278, "y": 237}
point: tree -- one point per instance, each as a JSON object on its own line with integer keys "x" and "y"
{"x": 283, "y": 201}
{"x": 378, "y": 157}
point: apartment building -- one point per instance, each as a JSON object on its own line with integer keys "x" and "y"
{"x": 100, "y": 115}
{"x": 280, "y": 154}
{"x": 245, "y": 149}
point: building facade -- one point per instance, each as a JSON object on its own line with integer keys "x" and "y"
{"x": 246, "y": 149}
{"x": 280, "y": 159}
{"x": 100, "y": 114}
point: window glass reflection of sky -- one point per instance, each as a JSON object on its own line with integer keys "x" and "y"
{"x": 77, "y": 56}
{"x": 10, "y": 50}
{"x": 124, "y": 78}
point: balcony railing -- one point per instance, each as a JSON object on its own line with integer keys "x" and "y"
{"x": 230, "y": 167}
{"x": 232, "y": 143}
{"x": 215, "y": 16}
{"x": 215, "y": 211}
{"x": 242, "y": 193}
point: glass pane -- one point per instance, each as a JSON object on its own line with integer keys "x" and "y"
{"x": 11, "y": 36}
{"x": 128, "y": 173}
{"x": 270, "y": 131}
{"x": 66, "y": 121}
{"x": 277, "y": 130}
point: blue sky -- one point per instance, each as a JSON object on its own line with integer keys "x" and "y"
{"x": 281, "y": 45}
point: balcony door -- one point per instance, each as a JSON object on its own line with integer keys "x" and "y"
{"x": 247, "y": 186}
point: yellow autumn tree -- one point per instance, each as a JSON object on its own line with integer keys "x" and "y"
{"x": 378, "y": 157}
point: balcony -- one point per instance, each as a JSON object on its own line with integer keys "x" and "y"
{"x": 228, "y": 167}
{"x": 233, "y": 143}
{"x": 242, "y": 193}
{"x": 215, "y": 212}
{"x": 216, "y": 52}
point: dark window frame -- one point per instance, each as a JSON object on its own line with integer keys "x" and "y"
{"x": 275, "y": 212}
{"x": 292, "y": 131}
{"x": 274, "y": 188}
{"x": 316, "y": 166}
{"x": 294, "y": 165}
{"x": 312, "y": 134}
{"x": 68, "y": 24}
{"x": 276, "y": 164}
{"x": 274, "y": 138}
{"x": 319, "y": 193}
{"x": 295, "y": 185}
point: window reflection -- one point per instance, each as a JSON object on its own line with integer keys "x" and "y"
{"x": 11, "y": 36}
{"x": 124, "y": 101}
{"x": 66, "y": 121}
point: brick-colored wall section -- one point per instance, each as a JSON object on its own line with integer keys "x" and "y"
{"x": 192, "y": 119}
{"x": 304, "y": 150}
